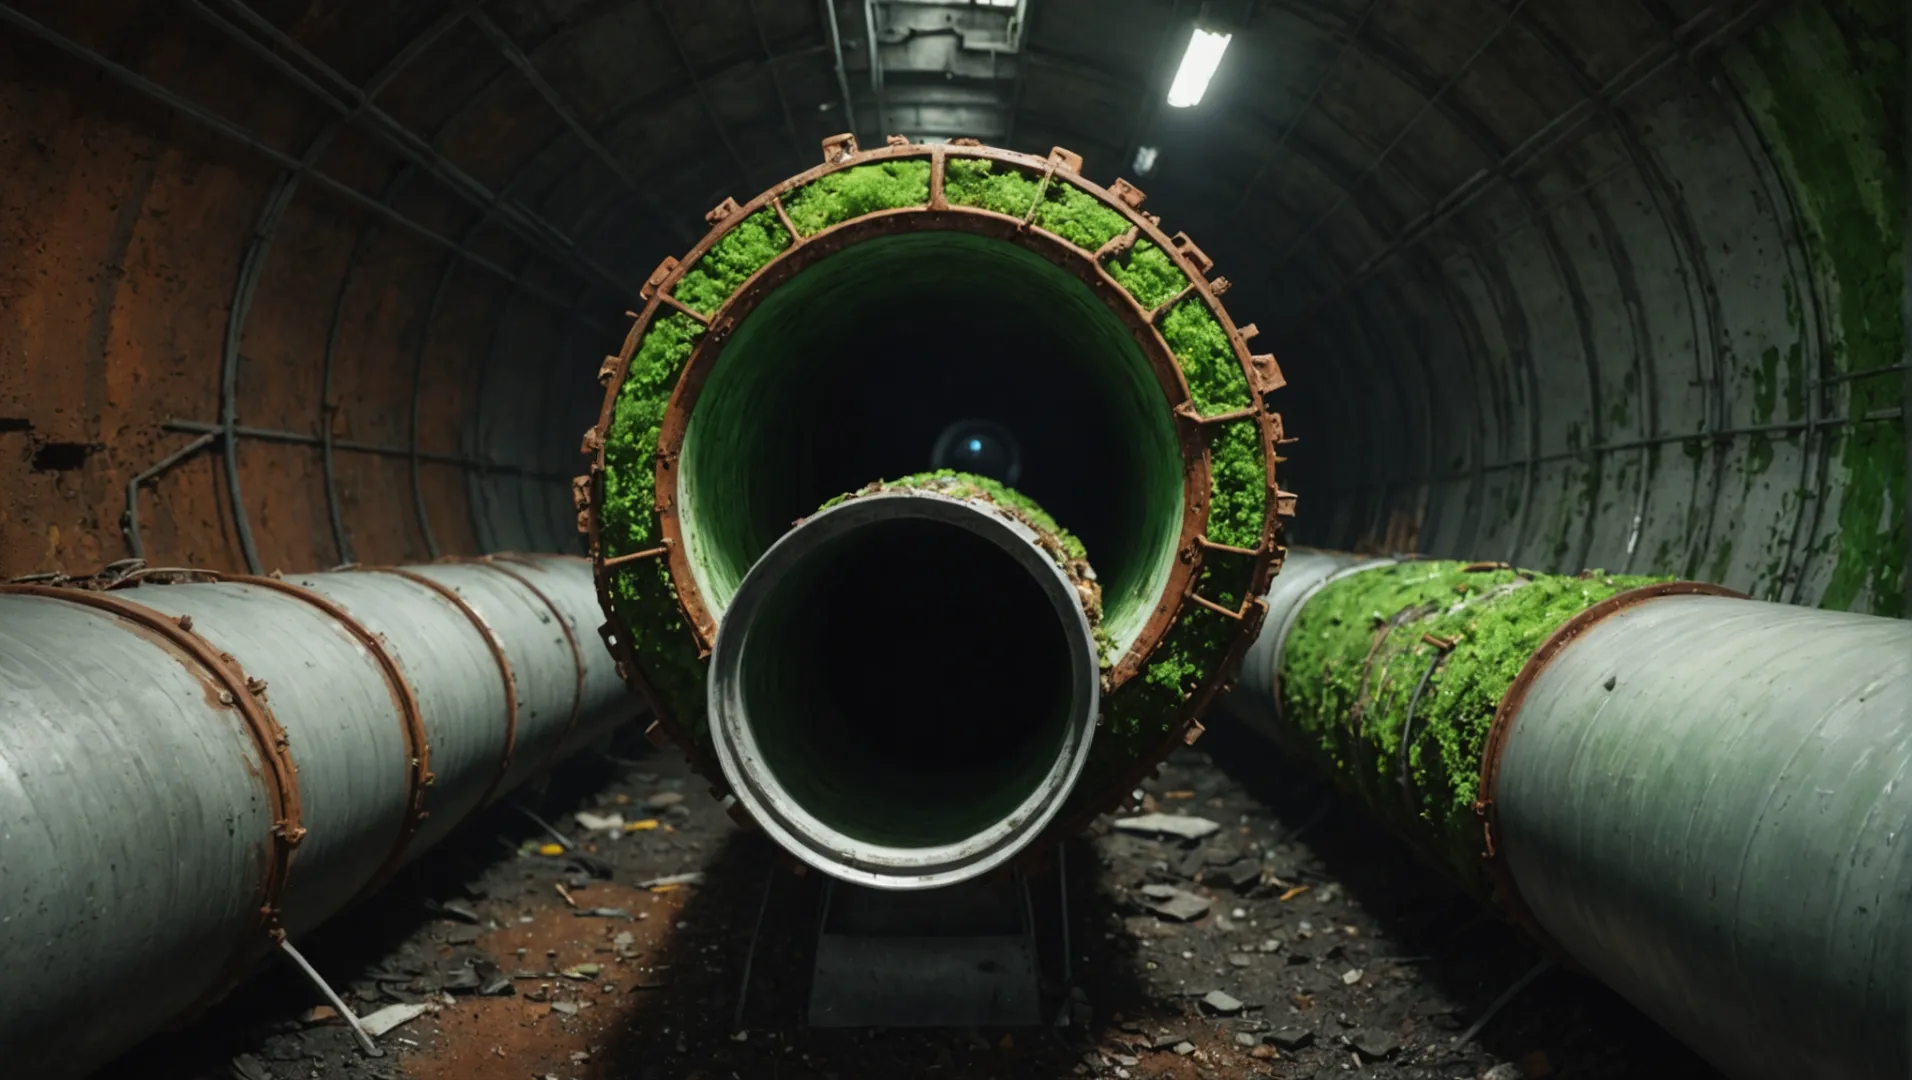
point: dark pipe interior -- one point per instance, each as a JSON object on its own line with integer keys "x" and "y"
{"x": 908, "y": 683}
{"x": 851, "y": 371}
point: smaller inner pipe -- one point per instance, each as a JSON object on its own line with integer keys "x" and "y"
{"x": 905, "y": 687}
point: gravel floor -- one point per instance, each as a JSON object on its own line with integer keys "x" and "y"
{"x": 1346, "y": 958}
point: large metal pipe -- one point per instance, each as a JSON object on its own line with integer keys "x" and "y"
{"x": 189, "y": 772}
{"x": 913, "y": 307}
{"x": 1700, "y": 799}
{"x": 905, "y": 688}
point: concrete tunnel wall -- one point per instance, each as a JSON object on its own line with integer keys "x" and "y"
{"x": 1567, "y": 284}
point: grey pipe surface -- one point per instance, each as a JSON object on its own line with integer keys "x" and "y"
{"x": 1703, "y": 801}
{"x": 189, "y": 771}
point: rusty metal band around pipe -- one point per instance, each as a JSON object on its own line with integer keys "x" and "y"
{"x": 143, "y": 887}
{"x": 281, "y": 776}
{"x": 496, "y": 562}
{"x": 1697, "y": 798}
{"x": 1506, "y": 889}
{"x": 497, "y": 653}
{"x": 418, "y": 745}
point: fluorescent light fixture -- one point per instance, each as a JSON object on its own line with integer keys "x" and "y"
{"x": 1204, "y": 55}
{"x": 1145, "y": 159}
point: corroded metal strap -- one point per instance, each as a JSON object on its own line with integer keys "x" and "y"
{"x": 418, "y": 774}
{"x": 497, "y": 654}
{"x": 280, "y": 775}
{"x": 498, "y": 563}
{"x": 1506, "y": 891}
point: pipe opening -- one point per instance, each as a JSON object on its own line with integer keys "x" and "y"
{"x": 905, "y": 683}
{"x": 850, "y": 371}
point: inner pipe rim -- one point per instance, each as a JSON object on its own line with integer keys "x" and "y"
{"x": 801, "y": 833}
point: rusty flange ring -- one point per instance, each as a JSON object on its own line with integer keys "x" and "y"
{"x": 418, "y": 773}
{"x": 499, "y": 563}
{"x": 497, "y": 654}
{"x": 1261, "y": 373}
{"x": 280, "y": 775}
{"x": 1506, "y": 890}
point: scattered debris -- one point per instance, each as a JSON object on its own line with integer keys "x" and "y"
{"x": 319, "y": 1014}
{"x": 1243, "y": 874}
{"x": 564, "y": 842}
{"x": 564, "y": 1008}
{"x": 390, "y": 1017}
{"x": 581, "y": 972}
{"x": 1290, "y": 1038}
{"x": 458, "y": 909}
{"x": 1294, "y": 892}
{"x": 1173, "y": 903}
{"x": 1221, "y": 1003}
{"x": 551, "y": 849}
{"x": 1351, "y": 976}
{"x": 645, "y": 825}
{"x": 598, "y": 822}
{"x": 1176, "y": 825}
{"x": 663, "y": 800}
{"x": 603, "y": 913}
{"x": 695, "y": 877}
{"x": 1375, "y": 1045}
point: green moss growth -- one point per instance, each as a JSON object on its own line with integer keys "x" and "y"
{"x": 1079, "y": 217}
{"x": 1826, "y": 84}
{"x": 1140, "y": 714}
{"x": 1216, "y": 382}
{"x": 962, "y": 485}
{"x": 736, "y": 255}
{"x": 977, "y": 182}
{"x": 1057, "y": 542}
{"x": 1149, "y": 275}
{"x": 1361, "y": 647}
{"x": 643, "y": 596}
{"x": 839, "y": 196}
{"x": 1237, "y": 484}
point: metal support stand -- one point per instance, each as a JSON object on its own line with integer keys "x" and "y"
{"x": 962, "y": 956}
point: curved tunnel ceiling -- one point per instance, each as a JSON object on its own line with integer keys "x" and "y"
{"x": 1564, "y": 284}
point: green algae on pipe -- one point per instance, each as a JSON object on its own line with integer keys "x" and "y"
{"x": 1390, "y": 677}
{"x": 805, "y": 346}
{"x": 1698, "y": 798}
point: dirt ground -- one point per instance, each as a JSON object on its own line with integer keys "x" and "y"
{"x": 1347, "y": 958}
